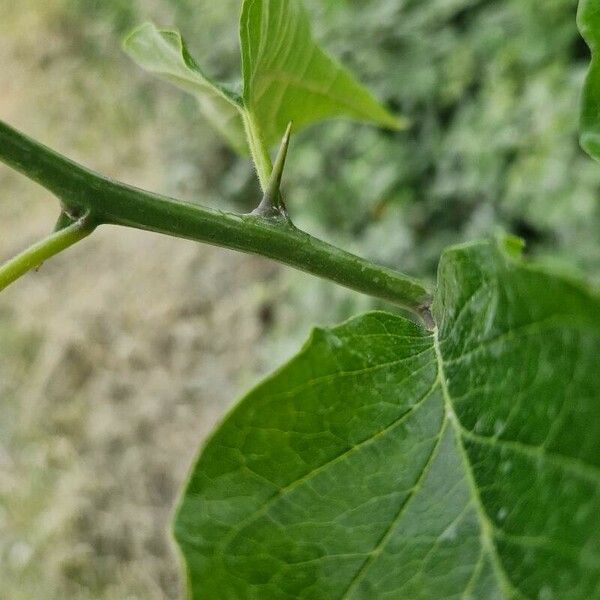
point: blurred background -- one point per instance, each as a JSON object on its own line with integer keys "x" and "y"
{"x": 118, "y": 357}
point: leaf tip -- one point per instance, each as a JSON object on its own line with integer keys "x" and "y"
{"x": 130, "y": 38}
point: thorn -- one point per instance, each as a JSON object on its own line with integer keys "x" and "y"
{"x": 278, "y": 167}
{"x": 272, "y": 202}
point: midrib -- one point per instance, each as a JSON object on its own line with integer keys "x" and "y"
{"x": 487, "y": 538}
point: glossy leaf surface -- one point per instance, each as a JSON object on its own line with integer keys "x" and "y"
{"x": 386, "y": 461}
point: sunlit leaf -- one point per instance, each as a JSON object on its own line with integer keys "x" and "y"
{"x": 386, "y": 461}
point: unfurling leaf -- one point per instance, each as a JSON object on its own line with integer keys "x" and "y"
{"x": 288, "y": 77}
{"x": 165, "y": 54}
{"x": 386, "y": 461}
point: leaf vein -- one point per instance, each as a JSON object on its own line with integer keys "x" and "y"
{"x": 579, "y": 467}
{"x": 487, "y": 537}
{"x": 390, "y": 530}
{"x": 306, "y": 477}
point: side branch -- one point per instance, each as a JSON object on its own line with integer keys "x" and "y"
{"x": 34, "y": 256}
{"x": 82, "y": 191}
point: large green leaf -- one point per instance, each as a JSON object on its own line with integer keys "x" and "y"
{"x": 288, "y": 77}
{"x": 165, "y": 54}
{"x": 386, "y": 461}
{"x": 588, "y": 20}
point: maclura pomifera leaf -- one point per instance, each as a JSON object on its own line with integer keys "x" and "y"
{"x": 588, "y": 20}
{"x": 388, "y": 461}
{"x": 286, "y": 76}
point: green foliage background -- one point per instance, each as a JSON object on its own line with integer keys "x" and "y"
{"x": 492, "y": 90}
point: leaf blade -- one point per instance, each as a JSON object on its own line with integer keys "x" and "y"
{"x": 164, "y": 53}
{"x": 375, "y": 463}
{"x": 289, "y": 78}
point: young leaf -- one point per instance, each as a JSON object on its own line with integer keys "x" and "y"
{"x": 165, "y": 54}
{"x": 385, "y": 461}
{"x": 588, "y": 20}
{"x": 288, "y": 77}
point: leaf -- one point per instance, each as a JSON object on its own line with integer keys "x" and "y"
{"x": 386, "y": 461}
{"x": 165, "y": 54}
{"x": 288, "y": 77}
{"x": 588, "y": 20}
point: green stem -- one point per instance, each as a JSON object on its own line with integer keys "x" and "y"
{"x": 34, "y": 256}
{"x": 259, "y": 151}
{"x": 106, "y": 201}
